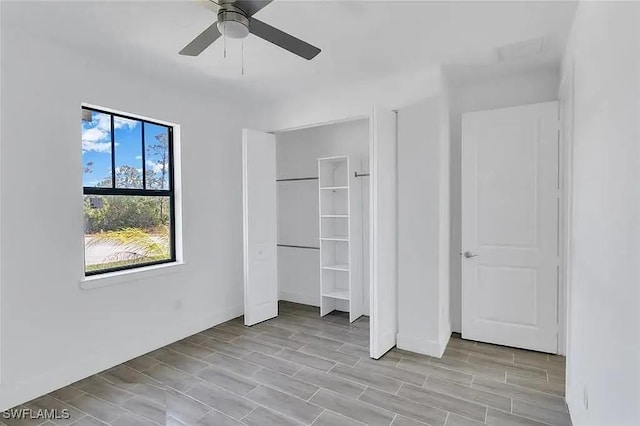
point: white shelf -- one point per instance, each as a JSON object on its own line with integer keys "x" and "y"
{"x": 337, "y": 267}
{"x": 337, "y": 294}
{"x": 335, "y": 204}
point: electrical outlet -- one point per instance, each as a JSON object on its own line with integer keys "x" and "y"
{"x": 585, "y": 398}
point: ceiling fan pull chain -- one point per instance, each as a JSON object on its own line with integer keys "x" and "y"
{"x": 224, "y": 45}
{"x": 242, "y": 52}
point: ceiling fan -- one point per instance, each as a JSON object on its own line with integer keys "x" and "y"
{"x": 235, "y": 20}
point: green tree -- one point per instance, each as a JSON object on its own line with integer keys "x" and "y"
{"x": 159, "y": 171}
{"x": 157, "y": 176}
{"x": 121, "y": 212}
{"x": 126, "y": 177}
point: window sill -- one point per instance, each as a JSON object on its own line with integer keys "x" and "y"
{"x": 120, "y": 277}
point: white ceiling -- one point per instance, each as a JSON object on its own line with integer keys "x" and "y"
{"x": 359, "y": 39}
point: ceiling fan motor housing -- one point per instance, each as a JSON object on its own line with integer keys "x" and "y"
{"x": 232, "y": 22}
{"x": 235, "y": 19}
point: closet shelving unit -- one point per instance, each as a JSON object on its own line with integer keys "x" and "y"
{"x": 339, "y": 276}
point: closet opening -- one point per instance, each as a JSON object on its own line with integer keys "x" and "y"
{"x": 320, "y": 227}
{"x": 322, "y": 215}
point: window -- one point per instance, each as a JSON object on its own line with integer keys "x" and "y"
{"x": 128, "y": 192}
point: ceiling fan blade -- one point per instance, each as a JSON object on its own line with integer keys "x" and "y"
{"x": 250, "y": 7}
{"x": 282, "y": 39}
{"x": 201, "y": 42}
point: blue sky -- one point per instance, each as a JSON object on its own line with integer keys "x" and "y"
{"x": 96, "y": 146}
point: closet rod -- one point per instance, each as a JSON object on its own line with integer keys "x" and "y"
{"x": 300, "y": 247}
{"x": 361, "y": 174}
{"x": 294, "y": 179}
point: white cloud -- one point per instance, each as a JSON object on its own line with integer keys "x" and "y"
{"x": 88, "y": 145}
{"x": 96, "y": 135}
{"x": 157, "y": 167}
{"x": 101, "y": 121}
{"x": 119, "y": 122}
{"x": 138, "y": 157}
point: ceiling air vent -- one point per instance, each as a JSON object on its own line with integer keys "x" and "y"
{"x": 521, "y": 49}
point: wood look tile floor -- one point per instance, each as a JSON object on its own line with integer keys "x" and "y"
{"x": 299, "y": 368}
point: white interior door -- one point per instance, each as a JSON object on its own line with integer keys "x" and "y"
{"x": 383, "y": 233}
{"x": 259, "y": 226}
{"x": 510, "y": 221}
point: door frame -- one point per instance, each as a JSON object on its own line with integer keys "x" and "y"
{"x": 566, "y": 95}
{"x": 565, "y": 150}
{"x": 370, "y": 117}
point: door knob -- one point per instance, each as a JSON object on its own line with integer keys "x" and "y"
{"x": 469, "y": 255}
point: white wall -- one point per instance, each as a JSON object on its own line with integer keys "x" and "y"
{"x": 356, "y": 100}
{"x": 604, "y": 316}
{"x": 53, "y": 332}
{"x": 538, "y": 85}
{"x": 423, "y": 226}
{"x": 297, "y": 154}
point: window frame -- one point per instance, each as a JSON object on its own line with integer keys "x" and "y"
{"x": 93, "y": 190}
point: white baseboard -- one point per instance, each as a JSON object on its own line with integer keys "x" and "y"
{"x": 445, "y": 336}
{"x": 422, "y": 346}
{"x": 305, "y": 299}
{"x": 576, "y": 408}
{"x": 444, "y": 340}
{"x": 78, "y": 369}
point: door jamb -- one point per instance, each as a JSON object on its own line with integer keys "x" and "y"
{"x": 566, "y": 94}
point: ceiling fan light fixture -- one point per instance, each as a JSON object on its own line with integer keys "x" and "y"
{"x": 233, "y": 29}
{"x": 233, "y": 24}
